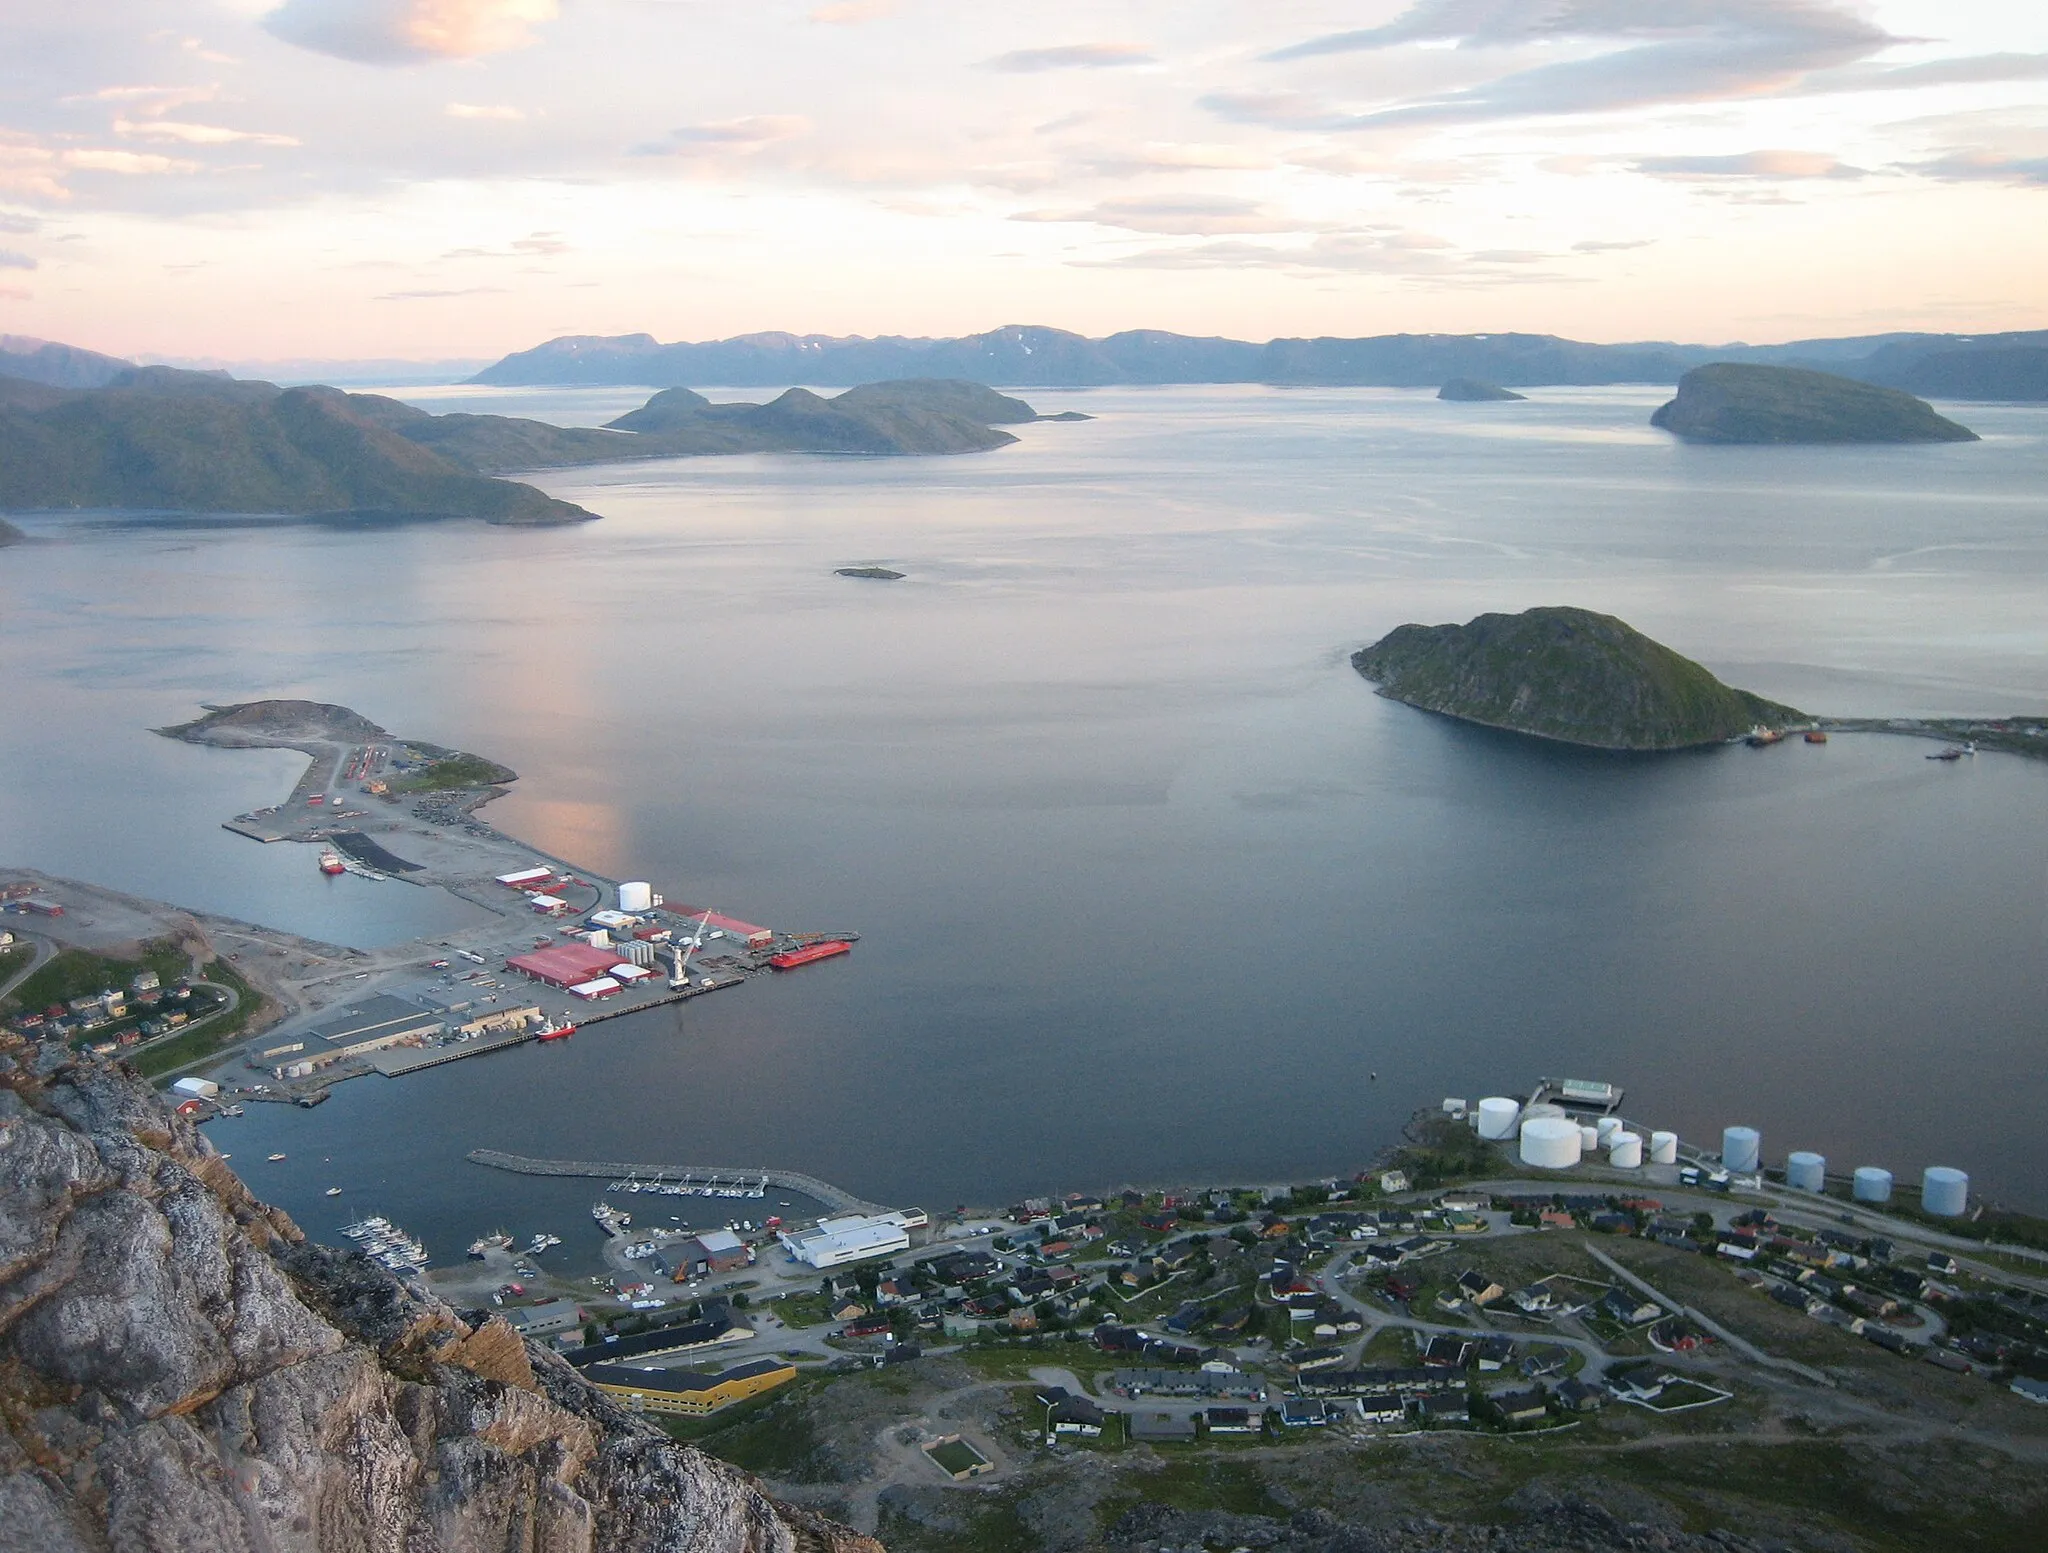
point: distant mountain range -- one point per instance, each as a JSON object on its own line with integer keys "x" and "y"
{"x": 1950, "y": 366}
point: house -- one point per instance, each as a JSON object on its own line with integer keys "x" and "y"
{"x": 1381, "y": 1407}
{"x": 1554, "y": 1218}
{"x": 1536, "y": 1299}
{"x": 1394, "y": 1181}
{"x": 1628, "y": 1307}
{"x": 546, "y": 1318}
{"x": 1077, "y": 1416}
{"x": 2030, "y": 1389}
{"x": 1496, "y": 1352}
{"x": 1233, "y": 1420}
{"x": 1306, "y": 1413}
{"x": 1449, "y": 1408}
{"x": 1315, "y": 1359}
{"x": 1578, "y": 1396}
{"x": 845, "y": 1308}
{"x": 1162, "y": 1428}
{"x": 1447, "y": 1352}
{"x": 1549, "y": 1359}
{"x": 1516, "y": 1408}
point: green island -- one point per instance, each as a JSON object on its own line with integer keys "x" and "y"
{"x": 1473, "y": 390}
{"x": 1565, "y": 674}
{"x": 1739, "y": 402}
{"x": 158, "y": 439}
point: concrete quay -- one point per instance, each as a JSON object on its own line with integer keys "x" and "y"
{"x": 833, "y": 1197}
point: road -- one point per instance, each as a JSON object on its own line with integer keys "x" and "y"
{"x": 44, "y": 951}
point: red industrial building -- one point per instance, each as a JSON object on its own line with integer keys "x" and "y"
{"x": 564, "y": 965}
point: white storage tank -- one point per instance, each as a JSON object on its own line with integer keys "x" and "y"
{"x": 1497, "y": 1117}
{"x": 1663, "y": 1148}
{"x": 1741, "y": 1148}
{"x": 1607, "y": 1127}
{"x": 1944, "y": 1191}
{"x": 1806, "y": 1171}
{"x": 1541, "y": 1108}
{"x": 1625, "y": 1150}
{"x": 636, "y": 895}
{"x": 1871, "y": 1184}
{"x": 1550, "y": 1143}
{"x": 1589, "y": 1140}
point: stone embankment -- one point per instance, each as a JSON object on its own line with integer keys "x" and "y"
{"x": 833, "y": 1197}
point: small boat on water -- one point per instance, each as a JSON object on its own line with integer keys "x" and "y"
{"x": 554, "y": 1030}
{"x": 1815, "y": 736}
{"x": 1951, "y": 753}
{"x": 334, "y": 1191}
{"x": 1761, "y": 737}
{"x": 275, "y": 1158}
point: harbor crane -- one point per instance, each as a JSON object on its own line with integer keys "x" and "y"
{"x": 679, "y": 977}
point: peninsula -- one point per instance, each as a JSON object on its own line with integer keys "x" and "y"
{"x": 1735, "y": 402}
{"x": 1564, "y": 674}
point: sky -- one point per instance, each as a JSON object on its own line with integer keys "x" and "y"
{"x": 272, "y": 180}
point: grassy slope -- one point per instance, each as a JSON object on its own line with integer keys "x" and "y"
{"x": 1565, "y": 674}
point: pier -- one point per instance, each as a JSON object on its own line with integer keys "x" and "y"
{"x": 825, "y": 1192}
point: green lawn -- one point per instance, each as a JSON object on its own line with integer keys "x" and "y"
{"x": 79, "y": 973}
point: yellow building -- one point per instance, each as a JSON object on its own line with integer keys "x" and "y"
{"x": 688, "y": 1391}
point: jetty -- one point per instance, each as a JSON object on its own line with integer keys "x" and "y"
{"x": 834, "y": 1198}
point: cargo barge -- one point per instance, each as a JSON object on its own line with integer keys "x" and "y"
{"x": 791, "y": 959}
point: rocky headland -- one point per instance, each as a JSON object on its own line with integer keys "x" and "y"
{"x": 1564, "y": 674}
{"x": 1738, "y": 402}
{"x": 184, "y": 1371}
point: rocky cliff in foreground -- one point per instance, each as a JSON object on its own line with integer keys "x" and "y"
{"x": 181, "y": 1370}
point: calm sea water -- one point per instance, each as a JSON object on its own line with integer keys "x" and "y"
{"x": 1152, "y": 886}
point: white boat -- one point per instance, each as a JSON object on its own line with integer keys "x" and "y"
{"x": 334, "y": 1191}
{"x": 275, "y": 1158}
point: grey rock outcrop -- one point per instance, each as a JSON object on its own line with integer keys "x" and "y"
{"x": 181, "y": 1370}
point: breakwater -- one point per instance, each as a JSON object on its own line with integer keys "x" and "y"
{"x": 833, "y": 1197}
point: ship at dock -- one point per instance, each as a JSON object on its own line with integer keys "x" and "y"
{"x": 809, "y": 954}
{"x": 331, "y": 863}
{"x": 612, "y": 1221}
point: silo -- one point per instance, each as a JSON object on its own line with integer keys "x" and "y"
{"x": 1741, "y": 1147}
{"x": 1550, "y": 1143}
{"x": 636, "y": 895}
{"x": 1806, "y": 1171}
{"x": 1607, "y": 1127}
{"x": 1625, "y": 1150}
{"x": 1541, "y": 1108}
{"x": 1497, "y": 1117}
{"x": 1944, "y": 1191}
{"x": 1589, "y": 1140}
{"x": 1663, "y": 1148}
{"x": 1872, "y": 1184}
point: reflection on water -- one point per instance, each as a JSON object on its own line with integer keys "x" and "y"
{"x": 1151, "y": 883}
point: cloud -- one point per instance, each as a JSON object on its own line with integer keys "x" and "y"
{"x": 1984, "y": 167}
{"x": 535, "y": 245}
{"x": 1071, "y": 56}
{"x": 742, "y": 135}
{"x": 437, "y": 296}
{"x": 1597, "y": 246}
{"x": 472, "y": 110}
{"x": 133, "y": 164}
{"x": 18, "y": 224}
{"x": 1177, "y": 218}
{"x": 1673, "y": 51}
{"x": 398, "y": 32}
{"x": 1747, "y": 164}
{"x": 851, "y": 13}
{"x": 147, "y": 100}
{"x": 1333, "y": 253}
{"x": 198, "y": 134}
{"x": 11, "y": 260}
{"x": 1968, "y": 70}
